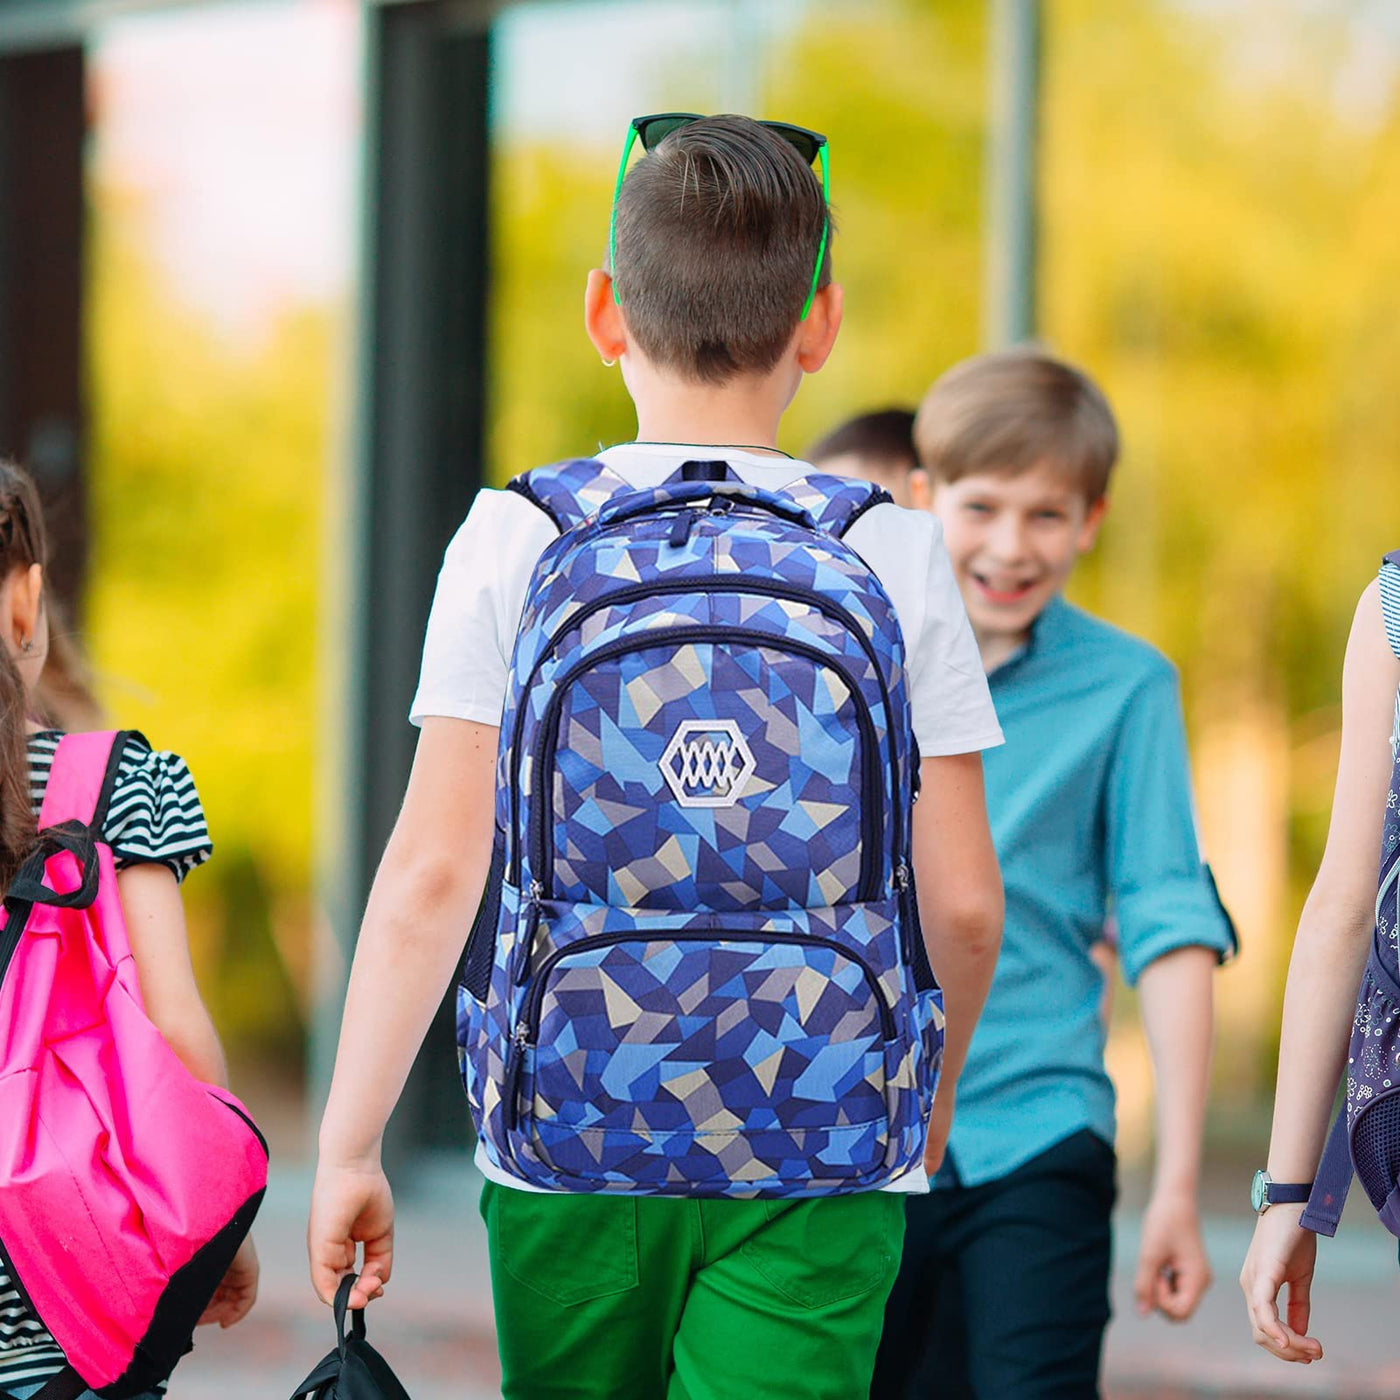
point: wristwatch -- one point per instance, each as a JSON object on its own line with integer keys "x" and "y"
{"x": 1266, "y": 1192}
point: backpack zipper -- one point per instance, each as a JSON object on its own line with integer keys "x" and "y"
{"x": 521, "y": 953}
{"x": 527, "y": 1027}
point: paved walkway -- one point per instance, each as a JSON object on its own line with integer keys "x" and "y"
{"x": 434, "y": 1324}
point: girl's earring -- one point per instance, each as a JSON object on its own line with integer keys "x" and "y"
{"x": 608, "y": 364}
{"x": 27, "y": 645}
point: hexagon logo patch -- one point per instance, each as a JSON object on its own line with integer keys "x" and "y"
{"x": 707, "y": 763}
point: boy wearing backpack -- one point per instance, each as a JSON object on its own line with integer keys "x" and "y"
{"x": 698, "y": 1029}
{"x": 1003, "y": 1289}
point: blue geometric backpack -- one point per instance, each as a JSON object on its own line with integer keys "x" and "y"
{"x": 1365, "y": 1139}
{"x": 698, "y": 969}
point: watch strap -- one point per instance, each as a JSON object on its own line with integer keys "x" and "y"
{"x": 1287, "y": 1193}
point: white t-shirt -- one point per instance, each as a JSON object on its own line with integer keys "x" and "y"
{"x": 486, "y": 572}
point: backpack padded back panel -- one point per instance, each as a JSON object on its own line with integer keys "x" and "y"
{"x": 698, "y": 974}
{"x": 126, "y": 1185}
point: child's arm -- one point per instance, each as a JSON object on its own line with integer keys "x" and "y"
{"x": 425, "y": 893}
{"x": 1173, "y": 1272}
{"x": 1324, "y": 973}
{"x": 1171, "y": 931}
{"x": 160, "y": 947}
{"x": 961, "y": 908}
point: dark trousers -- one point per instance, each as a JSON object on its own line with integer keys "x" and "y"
{"x": 1003, "y": 1289}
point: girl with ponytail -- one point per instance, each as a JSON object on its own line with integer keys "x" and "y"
{"x": 155, "y": 826}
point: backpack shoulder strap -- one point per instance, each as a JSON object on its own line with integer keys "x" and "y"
{"x": 79, "y": 789}
{"x": 1333, "y": 1181}
{"x": 569, "y": 492}
{"x": 1390, "y": 598}
{"x": 836, "y": 502}
{"x": 82, "y": 778}
{"x": 66, "y": 1385}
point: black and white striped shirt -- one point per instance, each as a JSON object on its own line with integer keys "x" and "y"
{"x": 155, "y": 816}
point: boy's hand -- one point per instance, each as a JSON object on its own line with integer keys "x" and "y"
{"x": 1282, "y": 1252}
{"x": 350, "y": 1204}
{"x": 940, "y": 1123}
{"x": 238, "y": 1290}
{"x": 1173, "y": 1272}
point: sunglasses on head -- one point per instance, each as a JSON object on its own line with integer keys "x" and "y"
{"x": 653, "y": 130}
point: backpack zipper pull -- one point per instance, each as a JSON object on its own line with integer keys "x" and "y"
{"x": 532, "y": 927}
{"x": 680, "y": 531}
{"x": 511, "y": 1096}
{"x": 901, "y": 878}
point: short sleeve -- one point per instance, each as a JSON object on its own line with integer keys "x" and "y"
{"x": 952, "y": 705}
{"x": 1390, "y": 599}
{"x": 1163, "y": 895}
{"x": 476, "y": 609}
{"x": 155, "y": 816}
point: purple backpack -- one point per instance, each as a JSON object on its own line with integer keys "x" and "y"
{"x": 1366, "y": 1136}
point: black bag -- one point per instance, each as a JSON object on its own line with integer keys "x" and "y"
{"x": 354, "y": 1370}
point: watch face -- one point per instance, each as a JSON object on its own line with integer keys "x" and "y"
{"x": 1257, "y": 1197}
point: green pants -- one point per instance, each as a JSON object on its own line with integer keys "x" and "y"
{"x": 649, "y": 1298}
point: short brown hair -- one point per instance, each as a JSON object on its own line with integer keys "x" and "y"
{"x": 717, "y": 234}
{"x": 885, "y": 436}
{"x": 1013, "y": 410}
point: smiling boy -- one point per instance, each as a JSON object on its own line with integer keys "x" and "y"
{"x": 1003, "y": 1291}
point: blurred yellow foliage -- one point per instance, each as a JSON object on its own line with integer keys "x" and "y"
{"x": 1220, "y": 192}
{"x": 208, "y": 497}
{"x": 1218, "y": 215}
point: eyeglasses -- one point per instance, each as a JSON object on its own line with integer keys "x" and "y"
{"x": 651, "y": 131}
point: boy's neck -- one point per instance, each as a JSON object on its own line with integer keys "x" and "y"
{"x": 739, "y": 414}
{"x": 997, "y": 648}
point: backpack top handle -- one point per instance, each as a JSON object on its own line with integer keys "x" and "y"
{"x": 680, "y": 493}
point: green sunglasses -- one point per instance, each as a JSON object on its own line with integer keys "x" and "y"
{"x": 651, "y": 131}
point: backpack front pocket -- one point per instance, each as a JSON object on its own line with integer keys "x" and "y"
{"x": 709, "y": 766}
{"x": 706, "y": 1052}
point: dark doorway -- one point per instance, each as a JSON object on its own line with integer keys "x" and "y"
{"x": 42, "y": 131}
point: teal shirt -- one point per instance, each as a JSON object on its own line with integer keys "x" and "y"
{"x": 1091, "y": 810}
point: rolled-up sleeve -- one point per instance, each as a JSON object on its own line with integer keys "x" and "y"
{"x": 1163, "y": 896}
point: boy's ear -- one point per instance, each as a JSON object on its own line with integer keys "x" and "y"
{"x": 817, "y": 334}
{"x": 920, "y": 489}
{"x": 602, "y": 317}
{"x": 1089, "y": 531}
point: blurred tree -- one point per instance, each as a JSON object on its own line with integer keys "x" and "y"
{"x": 1219, "y": 206}
{"x": 209, "y": 477}
{"x": 899, "y": 90}
{"x": 1221, "y": 185}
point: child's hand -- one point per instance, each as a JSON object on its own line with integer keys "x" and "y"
{"x": 350, "y": 1204}
{"x": 238, "y": 1291}
{"x": 1173, "y": 1272}
{"x": 1281, "y": 1252}
{"x": 940, "y": 1123}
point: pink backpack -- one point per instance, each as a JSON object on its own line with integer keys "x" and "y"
{"x": 126, "y": 1186}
